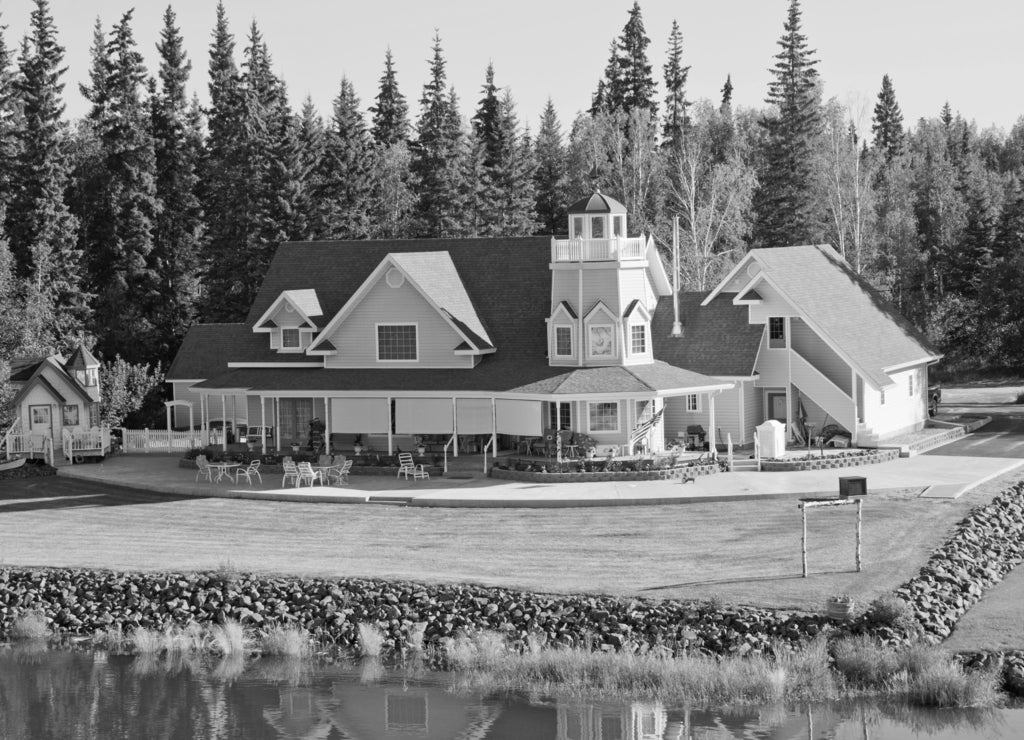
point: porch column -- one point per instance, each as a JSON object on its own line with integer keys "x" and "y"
{"x": 390, "y": 441}
{"x": 455, "y": 428}
{"x": 711, "y": 423}
{"x": 224, "y": 422}
{"x": 263, "y": 424}
{"x": 191, "y": 420}
{"x": 327, "y": 422}
{"x": 167, "y": 407}
{"x": 277, "y": 422}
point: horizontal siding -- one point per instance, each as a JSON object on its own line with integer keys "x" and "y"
{"x": 356, "y": 338}
{"x": 806, "y": 341}
{"x": 753, "y": 410}
{"x": 634, "y": 284}
{"x": 565, "y": 287}
{"x": 811, "y": 383}
{"x": 901, "y": 411}
{"x": 772, "y": 365}
{"x": 727, "y": 416}
{"x": 601, "y": 285}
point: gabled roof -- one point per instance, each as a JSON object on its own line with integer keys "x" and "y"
{"x": 435, "y": 277}
{"x": 842, "y": 307}
{"x": 717, "y": 340}
{"x": 303, "y": 301}
{"x": 567, "y": 307}
{"x": 597, "y": 203}
{"x": 31, "y": 375}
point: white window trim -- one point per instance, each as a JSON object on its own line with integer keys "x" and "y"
{"x": 295, "y": 349}
{"x": 697, "y": 404}
{"x": 647, "y": 339}
{"x": 603, "y": 220}
{"x": 910, "y": 383}
{"x": 768, "y": 333}
{"x": 572, "y": 341}
{"x": 618, "y": 420}
{"x": 590, "y": 345}
{"x": 881, "y": 397}
{"x": 376, "y": 341}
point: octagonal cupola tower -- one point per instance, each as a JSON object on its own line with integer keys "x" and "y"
{"x": 604, "y": 287}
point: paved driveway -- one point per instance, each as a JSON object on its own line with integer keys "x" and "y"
{"x": 1002, "y": 437}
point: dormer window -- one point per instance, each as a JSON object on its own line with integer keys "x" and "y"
{"x": 290, "y": 339}
{"x": 602, "y": 341}
{"x": 563, "y": 341}
{"x": 88, "y": 377}
{"x": 638, "y": 339}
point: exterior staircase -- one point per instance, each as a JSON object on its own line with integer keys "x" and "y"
{"x": 743, "y": 464}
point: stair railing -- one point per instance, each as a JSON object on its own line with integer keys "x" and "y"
{"x": 449, "y": 443}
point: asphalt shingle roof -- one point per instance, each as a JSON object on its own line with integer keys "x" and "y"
{"x": 831, "y": 296}
{"x": 717, "y": 339}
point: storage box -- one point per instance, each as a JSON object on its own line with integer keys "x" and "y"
{"x": 853, "y": 485}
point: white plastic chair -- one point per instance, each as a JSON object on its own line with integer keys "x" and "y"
{"x": 249, "y": 472}
{"x": 203, "y": 469}
{"x": 406, "y": 466}
{"x": 340, "y": 473}
{"x": 291, "y": 472}
{"x": 306, "y": 473}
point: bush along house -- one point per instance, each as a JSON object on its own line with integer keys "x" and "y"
{"x": 464, "y": 345}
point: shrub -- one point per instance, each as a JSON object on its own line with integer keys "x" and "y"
{"x": 892, "y": 611}
{"x": 229, "y": 638}
{"x": 30, "y": 626}
{"x": 290, "y": 642}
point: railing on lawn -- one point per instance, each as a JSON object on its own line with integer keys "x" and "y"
{"x": 78, "y": 443}
{"x": 160, "y": 440}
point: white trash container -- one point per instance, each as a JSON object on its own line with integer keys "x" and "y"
{"x": 772, "y": 436}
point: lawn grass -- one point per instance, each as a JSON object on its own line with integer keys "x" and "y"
{"x": 995, "y": 622}
{"x": 740, "y": 552}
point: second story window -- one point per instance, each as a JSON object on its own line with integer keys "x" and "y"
{"x": 563, "y": 341}
{"x": 617, "y": 226}
{"x": 397, "y": 342}
{"x": 597, "y": 227}
{"x": 638, "y": 339}
{"x": 777, "y": 332}
{"x": 577, "y": 227}
{"x": 290, "y": 339}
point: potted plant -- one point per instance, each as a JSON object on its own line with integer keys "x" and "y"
{"x": 840, "y": 607}
{"x": 357, "y": 444}
{"x": 420, "y": 447}
{"x": 295, "y": 447}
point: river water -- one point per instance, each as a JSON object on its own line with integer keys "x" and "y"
{"x": 57, "y": 694}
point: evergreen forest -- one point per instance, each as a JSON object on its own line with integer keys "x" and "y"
{"x": 154, "y": 212}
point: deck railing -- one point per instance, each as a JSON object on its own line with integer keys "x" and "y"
{"x": 160, "y": 440}
{"x": 76, "y": 442}
{"x": 598, "y": 250}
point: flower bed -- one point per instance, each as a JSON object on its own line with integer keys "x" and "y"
{"x": 591, "y": 471}
{"x": 849, "y": 459}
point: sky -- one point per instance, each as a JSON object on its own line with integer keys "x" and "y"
{"x": 969, "y": 54}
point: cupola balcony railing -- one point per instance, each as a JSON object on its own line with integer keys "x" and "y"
{"x": 598, "y": 250}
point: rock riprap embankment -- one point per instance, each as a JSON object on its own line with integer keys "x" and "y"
{"x": 83, "y": 602}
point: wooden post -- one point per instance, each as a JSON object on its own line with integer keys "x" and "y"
{"x": 803, "y": 541}
{"x": 859, "y": 502}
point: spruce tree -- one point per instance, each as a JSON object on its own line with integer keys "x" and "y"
{"x": 41, "y": 229}
{"x": 312, "y": 140}
{"x": 676, "y": 103}
{"x": 178, "y": 229}
{"x": 785, "y": 199}
{"x": 550, "y": 179}
{"x": 393, "y": 198}
{"x": 1005, "y": 276}
{"x": 509, "y": 194}
{"x": 486, "y": 120}
{"x": 119, "y": 239}
{"x": 635, "y": 86}
{"x": 436, "y": 153}
{"x": 725, "y": 107}
{"x": 8, "y": 127}
{"x": 601, "y": 99}
{"x": 347, "y": 172}
{"x": 390, "y": 112}
{"x": 887, "y": 124}
{"x": 223, "y": 190}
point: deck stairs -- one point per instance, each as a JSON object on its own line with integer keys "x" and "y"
{"x": 743, "y": 464}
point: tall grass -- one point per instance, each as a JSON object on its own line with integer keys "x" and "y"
{"x": 292, "y": 642}
{"x": 30, "y": 626}
{"x": 229, "y": 638}
{"x": 371, "y": 640}
{"x": 921, "y": 674}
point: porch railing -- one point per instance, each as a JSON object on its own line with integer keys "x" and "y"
{"x": 598, "y": 250}
{"x": 76, "y": 442}
{"x": 21, "y": 445}
{"x": 160, "y": 440}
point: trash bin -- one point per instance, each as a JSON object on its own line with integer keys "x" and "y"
{"x": 772, "y": 437}
{"x": 853, "y": 485}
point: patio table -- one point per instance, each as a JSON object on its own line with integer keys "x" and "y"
{"x": 224, "y": 470}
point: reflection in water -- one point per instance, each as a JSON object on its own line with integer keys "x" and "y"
{"x": 93, "y": 696}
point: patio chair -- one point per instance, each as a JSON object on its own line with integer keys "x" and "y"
{"x": 324, "y": 461}
{"x": 306, "y": 473}
{"x": 291, "y": 472}
{"x": 249, "y": 472}
{"x": 203, "y": 469}
{"x": 406, "y": 465}
{"x": 340, "y": 473}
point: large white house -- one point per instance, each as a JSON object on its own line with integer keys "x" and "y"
{"x": 493, "y": 342}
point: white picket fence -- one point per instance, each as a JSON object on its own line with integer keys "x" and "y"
{"x": 159, "y": 440}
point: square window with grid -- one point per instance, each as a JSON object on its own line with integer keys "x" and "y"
{"x": 638, "y": 339}
{"x": 604, "y": 417}
{"x": 290, "y": 339}
{"x": 396, "y": 342}
{"x": 563, "y": 341}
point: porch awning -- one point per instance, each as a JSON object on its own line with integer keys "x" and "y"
{"x": 367, "y": 415}
{"x": 520, "y": 417}
{"x": 423, "y": 416}
{"x": 474, "y": 416}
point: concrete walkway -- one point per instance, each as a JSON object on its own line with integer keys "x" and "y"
{"x": 934, "y": 475}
